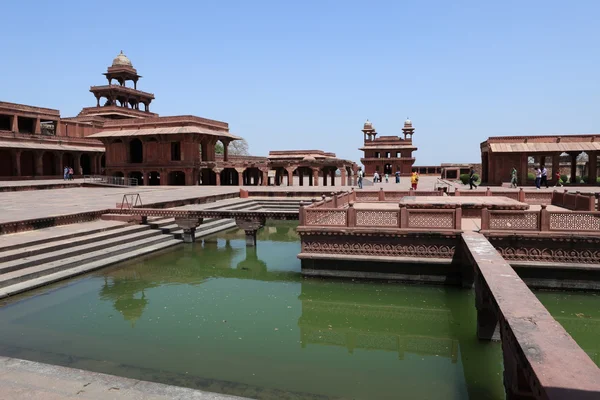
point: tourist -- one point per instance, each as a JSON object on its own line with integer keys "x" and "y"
{"x": 386, "y": 178}
{"x": 70, "y": 173}
{"x": 375, "y": 177}
{"x": 544, "y": 180}
{"x": 360, "y": 178}
{"x": 66, "y": 173}
{"x": 414, "y": 180}
{"x": 557, "y": 179}
{"x": 397, "y": 176}
{"x": 513, "y": 178}
{"x": 472, "y": 177}
{"x": 538, "y": 177}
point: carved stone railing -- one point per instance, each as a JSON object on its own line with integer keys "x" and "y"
{"x": 531, "y": 198}
{"x": 574, "y": 201}
{"x": 541, "y": 221}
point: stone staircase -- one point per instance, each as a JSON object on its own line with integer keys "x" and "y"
{"x": 38, "y": 260}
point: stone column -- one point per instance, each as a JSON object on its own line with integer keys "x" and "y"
{"x": 240, "y": 172}
{"x": 523, "y": 170}
{"x": 290, "y": 176}
{"x": 164, "y": 177}
{"x": 555, "y": 164}
{"x": 77, "y": 161}
{"x": 593, "y": 167}
{"x": 57, "y": 128}
{"x": 15, "y": 123}
{"x": 17, "y": 165}
{"x": 37, "y": 128}
{"x": 39, "y": 163}
{"x": 315, "y": 172}
{"x": 189, "y": 226}
{"x": 58, "y": 163}
{"x": 573, "y": 166}
{"x": 189, "y": 177}
{"x": 343, "y": 175}
{"x": 225, "y": 151}
{"x": 265, "y": 177}
{"x": 250, "y": 227}
{"x": 218, "y": 175}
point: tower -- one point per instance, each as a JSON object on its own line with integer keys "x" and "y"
{"x": 369, "y": 131}
{"x": 408, "y": 130}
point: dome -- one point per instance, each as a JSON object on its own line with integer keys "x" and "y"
{"x": 121, "y": 61}
{"x": 408, "y": 122}
{"x": 309, "y": 158}
{"x": 368, "y": 125}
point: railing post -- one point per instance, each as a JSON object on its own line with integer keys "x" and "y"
{"x": 544, "y": 219}
{"x": 458, "y": 217}
{"x": 335, "y": 200}
{"x": 591, "y": 203}
{"x": 485, "y": 219}
{"x": 403, "y": 217}
{"x": 302, "y": 215}
{"x": 351, "y": 215}
{"x": 352, "y": 196}
{"x": 521, "y": 195}
{"x": 381, "y": 194}
{"x": 457, "y": 192}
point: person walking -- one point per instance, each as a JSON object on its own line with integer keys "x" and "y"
{"x": 397, "y": 176}
{"x": 66, "y": 173}
{"x": 472, "y": 179}
{"x": 557, "y": 180}
{"x": 414, "y": 180}
{"x": 375, "y": 177}
{"x": 360, "y": 178}
{"x": 513, "y": 178}
{"x": 386, "y": 178}
{"x": 544, "y": 180}
{"x": 70, "y": 173}
{"x": 538, "y": 177}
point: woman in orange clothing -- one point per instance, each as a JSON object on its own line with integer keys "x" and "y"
{"x": 414, "y": 180}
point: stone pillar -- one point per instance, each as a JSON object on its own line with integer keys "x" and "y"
{"x": 189, "y": 177}
{"x": 265, "y": 177}
{"x": 15, "y": 123}
{"x": 218, "y": 175}
{"x": 77, "y": 161}
{"x": 57, "y": 128}
{"x": 555, "y": 164}
{"x": 225, "y": 151}
{"x": 17, "y": 158}
{"x": 593, "y": 167}
{"x": 58, "y": 163}
{"x": 164, "y": 177}
{"x": 240, "y": 172}
{"x": 573, "y": 166}
{"x": 250, "y": 227}
{"x": 343, "y": 174}
{"x": 189, "y": 226}
{"x": 290, "y": 176}
{"x": 37, "y": 128}
{"x": 39, "y": 163}
{"x": 315, "y": 172}
{"x": 522, "y": 170}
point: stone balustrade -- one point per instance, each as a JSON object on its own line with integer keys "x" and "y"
{"x": 541, "y": 221}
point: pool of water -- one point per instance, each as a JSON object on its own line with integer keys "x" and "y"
{"x": 221, "y": 317}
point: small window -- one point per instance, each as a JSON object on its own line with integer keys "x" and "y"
{"x": 388, "y": 154}
{"x": 175, "y": 151}
{"x": 397, "y": 154}
{"x": 377, "y": 154}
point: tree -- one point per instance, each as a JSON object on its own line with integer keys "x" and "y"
{"x": 236, "y": 148}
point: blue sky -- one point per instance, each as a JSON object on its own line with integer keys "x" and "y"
{"x": 306, "y": 74}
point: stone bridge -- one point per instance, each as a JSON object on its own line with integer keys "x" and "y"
{"x": 189, "y": 220}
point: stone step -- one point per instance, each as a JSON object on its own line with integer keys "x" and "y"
{"x": 68, "y": 251}
{"x": 230, "y": 224}
{"x": 84, "y": 268}
{"x": 48, "y": 247}
{"x": 57, "y": 237}
{"x": 61, "y": 264}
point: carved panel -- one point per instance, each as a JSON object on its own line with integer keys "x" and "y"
{"x": 354, "y": 246}
{"x": 524, "y": 221}
{"x": 322, "y": 216}
{"x": 367, "y": 196}
{"x": 376, "y": 218}
{"x": 538, "y": 198}
{"x": 574, "y": 222}
{"x": 583, "y": 255}
{"x": 431, "y": 220}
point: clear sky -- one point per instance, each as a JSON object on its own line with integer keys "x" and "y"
{"x": 306, "y": 74}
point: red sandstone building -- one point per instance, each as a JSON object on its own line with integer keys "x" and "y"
{"x": 388, "y": 154}
{"x": 500, "y": 154}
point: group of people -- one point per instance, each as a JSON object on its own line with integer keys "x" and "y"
{"x": 541, "y": 177}
{"x": 414, "y": 178}
{"x": 68, "y": 174}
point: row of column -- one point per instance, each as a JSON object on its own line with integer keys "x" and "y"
{"x": 592, "y": 165}
{"x": 37, "y": 125}
{"x": 95, "y": 163}
{"x": 290, "y": 177}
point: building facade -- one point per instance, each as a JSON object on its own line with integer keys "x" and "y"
{"x": 388, "y": 154}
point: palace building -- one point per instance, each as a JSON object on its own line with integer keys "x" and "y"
{"x": 388, "y": 154}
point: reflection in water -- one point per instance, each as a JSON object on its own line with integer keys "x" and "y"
{"x": 222, "y": 317}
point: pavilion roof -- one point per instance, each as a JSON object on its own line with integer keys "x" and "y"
{"x": 48, "y": 146}
{"x": 562, "y": 147}
{"x": 163, "y": 131}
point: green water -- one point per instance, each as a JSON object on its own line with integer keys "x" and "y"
{"x": 219, "y": 317}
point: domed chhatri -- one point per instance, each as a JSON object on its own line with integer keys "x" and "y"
{"x": 368, "y": 124}
{"x": 408, "y": 122}
{"x": 309, "y": 158}
{"x": 122, "y": 61}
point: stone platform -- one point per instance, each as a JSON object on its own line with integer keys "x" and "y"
{"x": 471, "y": 205}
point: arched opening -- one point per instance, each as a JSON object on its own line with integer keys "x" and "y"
{"x": 252, "y": 176}
{"x": 229, "y": 177}
{"x": 27, "y": 163}
{"x": 388, "y": 169}
{"x": 154, "y": 178}
{"x": 136, "y": 151}
{"x": 49, "y": 164}
{"x": 86, "y": 164}
{"x": 177, "y": 178}
{"x": 207, "y": 177}
{"x": 137, "y": 175}
{"x": 6, "y": 163}
{"x": 68, "y": 161}
{"x": 305, "y": 172}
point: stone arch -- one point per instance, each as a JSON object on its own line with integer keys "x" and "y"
{"x": 27, "y": 163}
{"x": 154, "y": 178}
{"x": 207, "y": 177}
{"x": 136, "y": 151}
{"x": 6, "y": 163}
{"x": 177, "y": 178}
{"x": 49, "y": 164}
{"x": 137, "y": 175}
{"x": 252, "y": 176}
{"x": 86, "y": 164}
{"x": 229, "y": 177}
